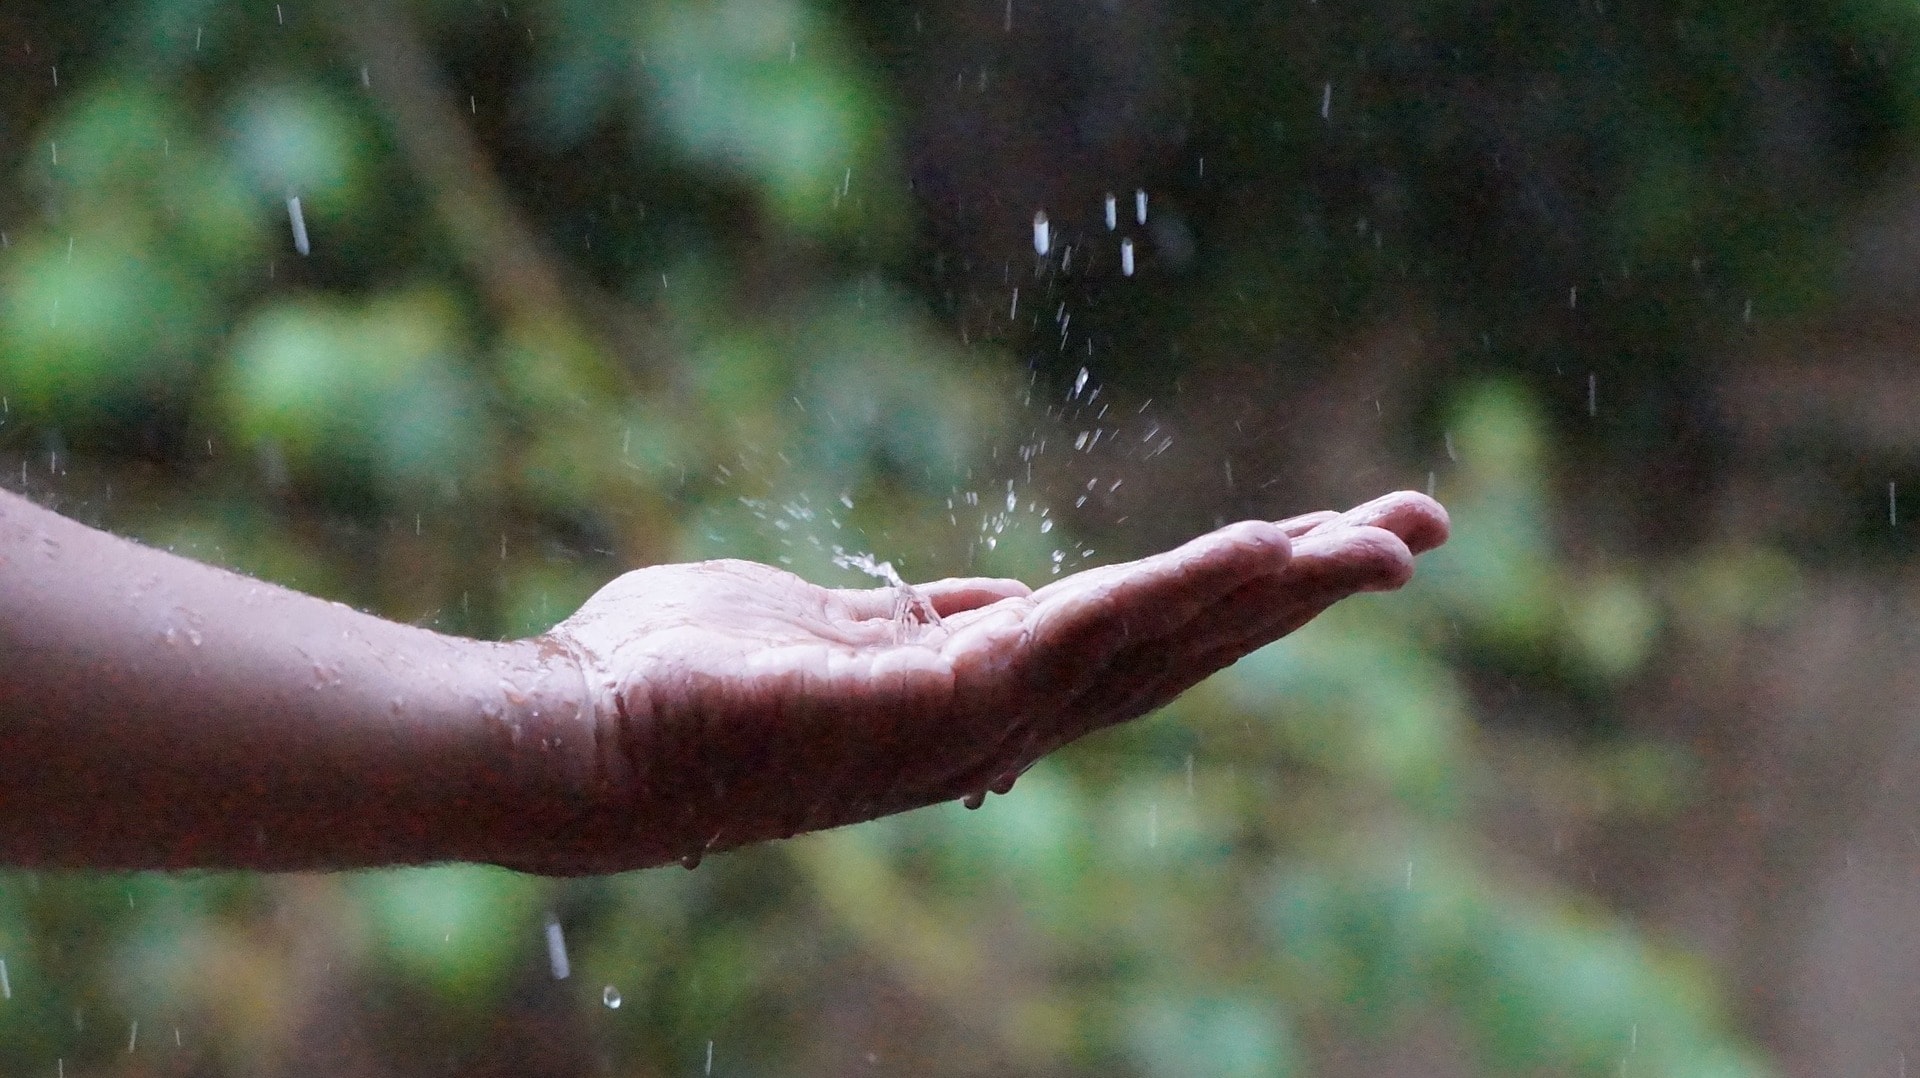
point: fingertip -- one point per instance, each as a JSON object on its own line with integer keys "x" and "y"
{"x": 1093, "y": 611}
{"x": 1227, "y": 556}
{"x": 1360, "y": 558}
{"x": 1416, "y": 519}
{"x": 1421, "y": 522}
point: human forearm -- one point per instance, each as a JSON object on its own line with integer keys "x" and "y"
{"x": 156, "y": 712}
{"x": 159, "y": 713}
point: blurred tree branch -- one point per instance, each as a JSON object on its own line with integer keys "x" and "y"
{"x": 521, "y": 276}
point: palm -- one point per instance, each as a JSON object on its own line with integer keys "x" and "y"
{"x": 751, "y": 704}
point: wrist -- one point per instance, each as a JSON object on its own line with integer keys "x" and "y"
{"x": 559, "y": 787}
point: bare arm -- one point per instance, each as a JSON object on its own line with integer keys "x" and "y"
{"x": 156, "y": 713}
{"x": 159, "y": 713}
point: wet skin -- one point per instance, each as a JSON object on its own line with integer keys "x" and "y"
{"x": 155, "y": 712}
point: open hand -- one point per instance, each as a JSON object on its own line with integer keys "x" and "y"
{"x": 747, "y": 704}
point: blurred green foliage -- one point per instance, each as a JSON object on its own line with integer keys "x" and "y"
{"x": 597, "y": 283}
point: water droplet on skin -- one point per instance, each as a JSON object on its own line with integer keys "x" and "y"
{"x": 974, "y": 800}
{"x": 611, "y": 997}
{"x": 692, "y": 861}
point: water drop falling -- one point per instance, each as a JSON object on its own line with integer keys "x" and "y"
{"x": 611, "y": 997}
{"x": 1113, "y": 212}
{"x": 910, "y": 607}
{"x": 1042, "y": 234}
{"x": 1140, "y": 205}
{"x": 557, "y": 950}
{"x": 1126, "y": 257}
{"x": 299, "y": 220}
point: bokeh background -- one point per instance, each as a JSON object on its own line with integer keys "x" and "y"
{"x": 1624, "y": 784}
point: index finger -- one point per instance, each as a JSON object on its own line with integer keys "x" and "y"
{"x": 1087, "y": 615}
{"x": 1418, "y": 520}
